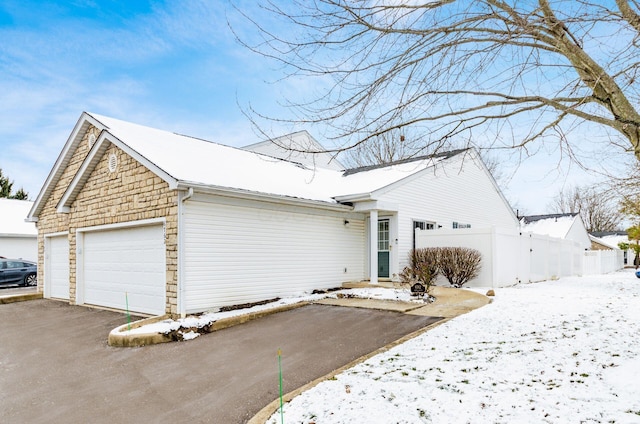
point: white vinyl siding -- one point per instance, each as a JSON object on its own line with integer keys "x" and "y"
{"x": 461, "y": 192}
{"x": 125, "y": 265}
{"x": 56, "y": 274}
{"x": 19, "y": 247}
{"x": 239, "y": 254}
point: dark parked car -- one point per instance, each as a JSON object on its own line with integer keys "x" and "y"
{"x": 17, "y": 271}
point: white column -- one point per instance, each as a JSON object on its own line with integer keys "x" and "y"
{"x": 373, "y": 247}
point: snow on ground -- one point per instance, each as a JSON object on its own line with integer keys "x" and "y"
{"x": 564, "y": 351}
{"x": 185, "y": 325}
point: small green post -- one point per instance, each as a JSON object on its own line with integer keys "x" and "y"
{"x": 280, "y": 373}
{"x": 126, "y": 298}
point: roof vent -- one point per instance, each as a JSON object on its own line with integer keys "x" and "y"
{"x": 113, "y": 162}
{"x": 91, "y": 140}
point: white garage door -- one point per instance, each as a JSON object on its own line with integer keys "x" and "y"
{"x": 56, "y": 273}
{"x": 125, "y": 268}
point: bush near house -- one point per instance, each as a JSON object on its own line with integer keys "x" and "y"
{"x": 459, "y": 264}
{"x": 423, "y": 267}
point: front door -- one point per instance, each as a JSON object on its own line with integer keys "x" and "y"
{"x": 383, "y": 248}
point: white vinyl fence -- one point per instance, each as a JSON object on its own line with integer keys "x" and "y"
{"x": 510, "y": 257}
{"x": 602, "y": 261}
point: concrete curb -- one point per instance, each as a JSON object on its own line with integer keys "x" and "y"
{"x": 119, "y": 336}
{"x": 19, "y": 297}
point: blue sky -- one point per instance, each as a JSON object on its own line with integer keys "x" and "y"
{"x": 170, "y": 65}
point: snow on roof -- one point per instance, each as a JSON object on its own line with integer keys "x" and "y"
{"x": 613, "y": 240}
{"x": 300, "y": 140}
{"x": 12, "y": 218}
{"x": 553, "y": 226}
{"x": 193, "y": 160}
{"x": 601, "y": 241}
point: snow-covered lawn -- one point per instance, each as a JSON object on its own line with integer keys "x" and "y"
{"x": 565, "y": 351}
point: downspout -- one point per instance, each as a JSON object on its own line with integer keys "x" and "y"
{"x": 188, "y": 195}
{"x": 181, "y": 308}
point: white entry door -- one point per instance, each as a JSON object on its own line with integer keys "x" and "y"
{"x": 125, "y": 269}
{"x": 56, "y": 267}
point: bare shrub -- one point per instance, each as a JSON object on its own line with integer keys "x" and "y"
{"x": 459, "y": 264}
{"x": 423, "y": 267}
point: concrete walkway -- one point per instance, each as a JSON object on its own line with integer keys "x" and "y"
{"x": 450, "y": 302}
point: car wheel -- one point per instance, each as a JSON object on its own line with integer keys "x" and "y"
{"x": 31, "y": 280}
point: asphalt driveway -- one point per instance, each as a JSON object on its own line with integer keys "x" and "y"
{"x": 56, "y": 366}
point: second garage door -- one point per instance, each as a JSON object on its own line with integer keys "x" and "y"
{"x": 125, "y": 268}
{"x": 56, "y": 275}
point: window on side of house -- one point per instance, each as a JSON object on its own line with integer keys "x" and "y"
{"x": 421, "y": 225}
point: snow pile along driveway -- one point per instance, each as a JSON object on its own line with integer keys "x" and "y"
{"x": 556, "y": 351}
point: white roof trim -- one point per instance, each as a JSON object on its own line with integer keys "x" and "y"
{"x": 91, "y": 161}
{"x": 61, "y": 163}
{"x": 254, "y": 195}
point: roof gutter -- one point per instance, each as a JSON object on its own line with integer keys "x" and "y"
{"x": 360, "y": 197}
{"x": 265, "y": 197}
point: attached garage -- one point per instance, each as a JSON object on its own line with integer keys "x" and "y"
{"x": 57, "y": 267}
{"x": 162, "y": 223}
{"x": 123, "y": 268}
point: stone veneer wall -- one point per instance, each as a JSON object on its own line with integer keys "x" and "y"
{"x": 131, "y": 193}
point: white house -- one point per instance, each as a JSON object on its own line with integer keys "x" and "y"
{"x": 298, "y": 147}
{"x": 566, "y": 226}
{"x": 612, "y": 239}
{"x": 168, "y": 223}
{"x": 18, "y": 238}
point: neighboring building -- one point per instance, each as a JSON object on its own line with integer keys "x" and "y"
{"x": 600, "y": 244}
{"x": 567, "y": 226}
{"x": 614, "y": 238}
{"x": 18, "y": 238}
{"x": 298, "y": 147}
{"x": 173, "y": 224}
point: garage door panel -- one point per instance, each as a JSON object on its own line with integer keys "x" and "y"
{"x": 123, "y": 265}
{"x": 57, "y": 267}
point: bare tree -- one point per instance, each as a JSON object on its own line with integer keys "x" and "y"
{"x": 383, "y": 149}
{"x": 494, "y": 73}
{"x": 599, "y": 208}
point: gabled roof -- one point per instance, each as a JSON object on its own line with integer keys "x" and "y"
{"x": 614, "y": 239}
{"x": 533, "y": 218}
{"x": 441, "y": 155}
{"x": 601, "y": 234}
{"x": 13, "y": 213}
{"x": 184, "y": 162}
{"x": 298, "y": 147}
{"x": 604, "y": 243}
{"x": 554, "y": 225}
